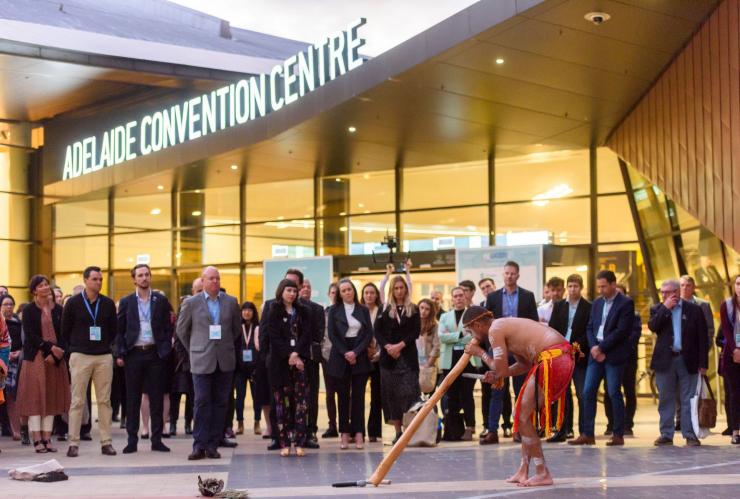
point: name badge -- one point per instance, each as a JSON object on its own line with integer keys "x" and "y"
{"x": 458, "y": 347}
{"x": 95, "y": 333}
{"x": 214, "y": 332}
{"x": 737, "y": 340}
{"x": 600, "y": 334}
{"x": 146, "y": 331}
{"x": 246, "y": 355}
{"x": 292, "y": 342}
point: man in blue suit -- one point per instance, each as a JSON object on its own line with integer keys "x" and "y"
{"x": 144, "y": 342}
{"x": 608, "y": 331}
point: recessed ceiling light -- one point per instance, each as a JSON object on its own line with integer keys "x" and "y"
{"x": 197, "y": 191}
{"x": 338, "y": 179}
{"x": 351, "y": 129}
{"x": 160, "y": 187}
{"x": 597, "y": 18}
{"x": 197, "y": 213}
{"x": 499, "y": 60}
{"x": 342, "y": 213}
{"x": 155, "y": 211}
{"x": 234, "y": 167}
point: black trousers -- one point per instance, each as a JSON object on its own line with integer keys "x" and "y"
{"x": 485, "y": 393}
{"x": 312, "y": 373}
{"x": 118, "y": 391}
{"x": 629, "y": 380}
{"x": 460, "y": 394}
{"x": 375, "y": 419}
{"x": 351, "y": 398}
{"x": 175, "y": 407}
{"x": 144, "y": 367}
{"x": 331, "y": 394}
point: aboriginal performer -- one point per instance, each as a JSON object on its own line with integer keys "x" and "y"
{"x": 548, "y": 359}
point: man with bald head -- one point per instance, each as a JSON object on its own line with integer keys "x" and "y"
{"x": 209, "y": 326}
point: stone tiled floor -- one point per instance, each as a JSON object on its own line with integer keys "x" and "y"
{"x": 457, "y": 470}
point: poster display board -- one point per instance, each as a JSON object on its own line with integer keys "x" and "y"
{"x": 476, "y": 263}
{"x": 319, "y": 270}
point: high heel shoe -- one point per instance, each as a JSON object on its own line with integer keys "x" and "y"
{"x": 359, "y": 441}
{"x": 344, "y": 444}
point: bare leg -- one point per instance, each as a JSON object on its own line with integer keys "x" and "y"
{"x": 266, "y": 417}
{"x": 531, "y": 440}
{"x": 166, "y": 408}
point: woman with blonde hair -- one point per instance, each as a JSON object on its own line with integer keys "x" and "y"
{"x": 428, "y": 345}
{"x": 396, "y": 331}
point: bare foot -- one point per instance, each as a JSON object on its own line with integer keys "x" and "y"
{"x": 538, "y": 480}
{"x": 520, "y": 476}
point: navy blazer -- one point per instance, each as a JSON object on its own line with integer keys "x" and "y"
{"x": 559, "y": 322}
{"x": 129, "y": 326}
{"x": 617, "y": 328}
{"x": 693, "y": 337}
{"x": 338, "y": 326}
{"x": 526, "y": 309}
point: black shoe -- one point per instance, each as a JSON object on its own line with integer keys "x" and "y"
{"x": 73, "y": 451}
{"x": 398, "y": 435}
{"x": 123, "y": 424}
{"x": 197, "y": 455}
{"x": 108, "y": 450}
{"x": 115, "y": 419}
{"x": 266, "y": 437}
{"x": 310, "y": 444}
{"x": 160, "y": 447}
{"x": 173, "y": 429}
{"x": 331, "y": 433}
{"x": 213, "y": 454}
{"x": 662, "y": 441}
{"x": 130, "y": 449}
{"x": 629, "y": 433}
{"x": 165, "y": 434}
{"x": 274, "y": 445}
{"x": 228, "y": 443}
{"x": 86, "y": 437}
{"x": 145, "y": 436}
{"x": 188, "y": 429}
{"x": 507, "y": 432}
{"x": 693, "y": 442}
{"x": 678, "y": 425}
{"x": 735, "y": 440}
{"x": 569, "y": 435}
{"x": 727, "y": 432}
{"x": 557, "y": 438}
{"x": 25, "y": 438}
{"x": 608, "y": 433}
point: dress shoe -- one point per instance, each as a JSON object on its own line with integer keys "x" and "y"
{"x": 692, "y": 442}
{"x": 557, "y": 438}
{"x": 662, "y": 441}
{"x": 145, "y": 436}
{"x": 467, "y": 435}
{"x": 213, "y": 454}
{"x": 240, "y": 428}
{"x": 188, "y": 428}
{"x": 608, "y": 432}
{"x": 165, "y": 434}
{"x": 372, "y": 440}
{"x": 331, "y": 432}
{"x": 274, "y": 445}
{"x": 491, "y": 438}
{"x": 583, "y": 440}
{"x": 160, "y": 447}
{"x": 483, "y": 433}
{"x": 616, "y": 440}
{"x": 62, "y": 438}
{"x": 735, "y": 440}
{"x": 86, "y": 437}
{"x": 507, "y": 433}
{"x": 727, "y": 432}
{"x": 517, "y": 438}
{"x": 569, "y": 435}
{"x": 73, "y": 451}
{"x": 197, "y": 455}
{"x": 229, "y": 433}
{"x": 108, "y": 450}
{"x": 130, "y": 449}
{"x": 311, "y": 444}
{"x": 173, "y": 429}
{"x": 266, "y": 436}
{"x": 228, "y": 443}
{"x": 629, "y": 433}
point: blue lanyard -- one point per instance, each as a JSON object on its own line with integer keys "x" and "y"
{"x": 89, "y": 310}
{"x": 147, "y": 317}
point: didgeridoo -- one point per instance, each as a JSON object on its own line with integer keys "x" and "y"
{"x": 387, "y": 463}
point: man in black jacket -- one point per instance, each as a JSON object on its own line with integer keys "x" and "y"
{"x": 143, "y": 346}
{"x": 679, "y": 356}
{"x": 570, "y": 318}
{"x": 89, "y": 328}
{"x": 510, "y": 301}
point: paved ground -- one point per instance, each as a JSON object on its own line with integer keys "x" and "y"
{"x": 454, "y": 470}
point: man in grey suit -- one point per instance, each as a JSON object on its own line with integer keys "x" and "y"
{"x": 209, "y": 326}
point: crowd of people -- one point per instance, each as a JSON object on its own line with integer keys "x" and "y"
{"x": 142, "y": 355}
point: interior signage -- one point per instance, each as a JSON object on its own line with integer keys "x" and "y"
{"x": 231, "y": 105}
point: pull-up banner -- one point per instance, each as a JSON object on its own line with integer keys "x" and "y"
{"x": 234, "y": 104}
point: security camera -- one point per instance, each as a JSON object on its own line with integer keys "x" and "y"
{"x": 597, "y": 18}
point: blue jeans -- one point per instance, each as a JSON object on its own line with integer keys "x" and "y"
{"x": 595, "y": 372}
{"x": 211, "y": 401}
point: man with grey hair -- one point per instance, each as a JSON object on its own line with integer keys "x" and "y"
{"x": 679, "y": 356}
{"x": 208, "y": 326}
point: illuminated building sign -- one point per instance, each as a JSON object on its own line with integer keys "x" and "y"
{"x": 231, "y": 105}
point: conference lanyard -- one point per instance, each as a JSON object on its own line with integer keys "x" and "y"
{"x": 247, "y": 338}
{"x": 89, "y": 309}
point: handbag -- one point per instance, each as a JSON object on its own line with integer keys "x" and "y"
{"x": 707, "y": 406}
{"x": 427, "y": 378}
